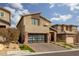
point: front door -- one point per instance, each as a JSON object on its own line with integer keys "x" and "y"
{"x": 52, "y": 36}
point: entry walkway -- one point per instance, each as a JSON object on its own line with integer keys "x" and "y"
{"x": 45, "y": 47}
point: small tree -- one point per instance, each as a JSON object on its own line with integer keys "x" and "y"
{"x": 13, "y": 35}
{"x": 3, "y": 34}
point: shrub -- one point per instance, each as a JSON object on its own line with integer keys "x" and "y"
{"x": 25, "y": 47}
{"x": 11, "y": 34}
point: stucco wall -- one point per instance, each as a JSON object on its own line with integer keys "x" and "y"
{"x": 6, "y": 16}
{"x": 30, "y": 28}
{"x": 4, "y": 24}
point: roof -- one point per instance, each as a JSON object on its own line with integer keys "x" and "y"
{"x": 5, "y": 10}
{"x": 71, "y": 33}
{"x": 64, "y": 25}
{"x": 4, "y": 21}
{"x": 53, "y": 29}
{"x": 31, "y": 15}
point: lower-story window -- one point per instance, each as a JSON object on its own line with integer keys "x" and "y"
{"x": 2, "y": 26}
{"x": 36, "y": 38}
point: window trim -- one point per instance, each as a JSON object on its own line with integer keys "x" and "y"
{"x": 35, "y": 21}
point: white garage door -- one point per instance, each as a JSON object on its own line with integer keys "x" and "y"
{"x": 69, "y": 40}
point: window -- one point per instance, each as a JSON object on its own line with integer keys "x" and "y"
{"x": 1, "y": 14}
{"x": 67, "y": 27}
{"x": 62, "y": 28}
{"x": 2, "y": 26}
{"x": 35, "y": 22}
{"x": 70, "y": 28}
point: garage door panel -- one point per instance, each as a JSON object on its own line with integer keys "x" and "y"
{"x": 34, "y": 38}
{"x": 69, "y": 40}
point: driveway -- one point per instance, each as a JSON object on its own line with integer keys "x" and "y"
{"x": 45, "y": 47}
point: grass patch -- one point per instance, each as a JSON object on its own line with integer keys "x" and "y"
{"x": 25, "y": 47}
{"x": 63, "y": 44}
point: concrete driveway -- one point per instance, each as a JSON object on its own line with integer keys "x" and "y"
{"x": 45, "y": 47}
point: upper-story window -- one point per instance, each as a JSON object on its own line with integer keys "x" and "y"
{"x": 70, "y": 28}
{"x": 1, "y": 14}
{"x": 35, "y": 22}
{"x": 67, "y": 28}
{"x": 62, "y": 28}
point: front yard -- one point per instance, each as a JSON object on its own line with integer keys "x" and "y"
{"x": 26, "y": 47}
{"x": 63, "y": 44}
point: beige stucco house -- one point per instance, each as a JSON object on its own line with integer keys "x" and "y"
{"x": 5, "y": 21}
{"x": 66, "y": 33}
{"x": 5, "y": 18}
{"x": 35, "y": 28}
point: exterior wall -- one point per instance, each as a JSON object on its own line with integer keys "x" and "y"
{"x": 7, "y": 26}
{"x": 21, "y": 28}
{"x": 25, "y": 26}
{"x": 73, "y": 28}
{"x": 25, "y": 38}
{"x": 61, "y": 37}
{"x": 58, "y": 29}
{"x": 34, "y": 28}
{"x": 67, "y": 38}
{"x": 6, "y": 16}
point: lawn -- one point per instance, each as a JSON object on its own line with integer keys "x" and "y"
{"x": 62, "y": 44}
{"x": 26, "y": 47}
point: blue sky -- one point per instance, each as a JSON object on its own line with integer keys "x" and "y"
{"x": 57, "y": 13}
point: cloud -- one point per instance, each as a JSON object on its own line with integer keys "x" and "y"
{"x": 16, "y": 5}
{"x": 51, "y": 5}
{"x": 77, "y": 18}
{"x": 17, "y": 11}
{"x": 72, "y": 6}
{"x": 59, "y": 17}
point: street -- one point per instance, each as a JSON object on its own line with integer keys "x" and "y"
{"x": 69, "y": 53}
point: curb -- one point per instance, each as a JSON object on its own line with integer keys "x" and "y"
{"x": 36, "y": 53}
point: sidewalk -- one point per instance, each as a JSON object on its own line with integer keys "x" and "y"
{"x": 37, "y": 53}
{"x": 26, "y": 53}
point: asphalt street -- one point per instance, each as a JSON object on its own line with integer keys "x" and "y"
{"x": 69, "y": 53}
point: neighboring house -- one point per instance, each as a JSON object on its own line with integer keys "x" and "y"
{"x": 67, "y": 33}
{"x": 5, "y": 21}
{"x": 35, "y": 28}
{"x": 5, "y": 18}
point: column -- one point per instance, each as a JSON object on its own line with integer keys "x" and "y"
{"x": 55, "y": 36}
{"x": 26, "y": 38}
{"x": 48, "y": 38}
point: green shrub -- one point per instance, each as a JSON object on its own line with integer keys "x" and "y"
{"x": 25, "y": 47}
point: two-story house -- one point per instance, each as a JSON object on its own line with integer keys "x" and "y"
{"x": 35, "y": 28}
{"x": 66, "y": 33}
{"x": 5, "y": 18}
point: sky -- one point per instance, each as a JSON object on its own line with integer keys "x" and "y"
{"x": 57, "y": 13}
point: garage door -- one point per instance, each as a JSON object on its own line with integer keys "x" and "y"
{"x": 69, "y": 40}
{"x": 37, "y": 38}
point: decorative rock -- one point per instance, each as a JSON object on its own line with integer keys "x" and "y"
{"x": 2, "y": 46}
{"x": 13, "y": 46}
